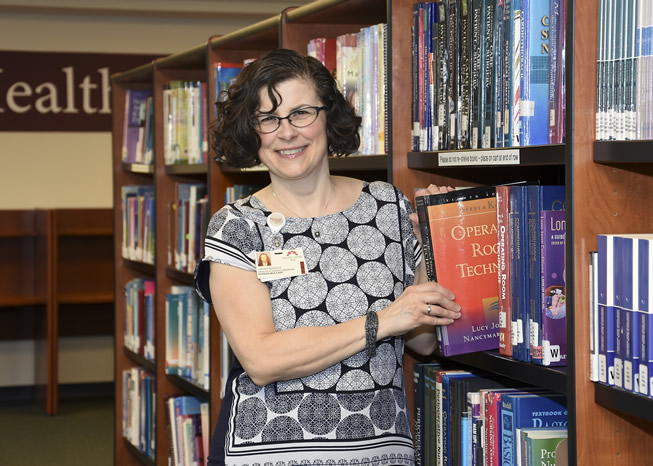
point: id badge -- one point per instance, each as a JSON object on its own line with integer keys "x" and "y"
{"x": 284, "y": 263}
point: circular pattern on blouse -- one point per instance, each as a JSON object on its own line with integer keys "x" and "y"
{"x": 337, "y": 264}
{"x": 281, "y": 403}
{"x": 312, "y": 250}
{"x": 238, "y": 232}
{"x": 355, "y": 401}
{"x": 307, "y": 291}
{"x": 355, "y": 426}
{"x": 332, "y": 229}
{"x": 383, "y": 410}
{"x": 393, "y": 256}
{"x": 282, "y": 428}
{"x": 383, "y": 192}
{"x": 345, "y": 302}
{"x": 283, "y": 315}
{"x": 364, "y": 211}
{"x": 383, "y": 364}
{"x": 388, "y": 222}
{"x": 251, "y": 419}
{"x": 375, "y": 279}
{"x": 325, "y": 379}
{"x": 355, "y": 380}
{"x": 366, "y": 242}
{"x": 319, "y": 413}
{"x": 217, "y": 221}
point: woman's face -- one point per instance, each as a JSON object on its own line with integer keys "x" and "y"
{"x": 290, "y": 152}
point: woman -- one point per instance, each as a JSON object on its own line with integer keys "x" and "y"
{"x": 318, "y": 376}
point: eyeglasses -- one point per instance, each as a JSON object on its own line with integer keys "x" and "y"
{"x": 299, "y": 118}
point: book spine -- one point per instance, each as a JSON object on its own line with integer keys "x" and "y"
{"x": 553, "y": 303}
{"x": 645, "y": 321}
{"x": 630, "y": 297}
{"x": 534, "y": 273}
{"x": 418, "y": 412}
{"x": 606, "y": 309}
{"x": 593, "y": 321}
{"x": 507, "y": 432}
{"x": 554, "y": 37}
{"x": 498, "y": 95}
{"x": 442, "y": 73}
{"x": 454, "y": 75}
{"x": 503, "y": 241}
{"x": 477, "y": 35}
{"x": 488, "y": 66}
{"x": 465, "y": 34}
{"x": 619, "y": 314}
{"x": 421, "y": 205}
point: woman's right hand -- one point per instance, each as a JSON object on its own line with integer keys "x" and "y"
{"x": 411, "y": 310}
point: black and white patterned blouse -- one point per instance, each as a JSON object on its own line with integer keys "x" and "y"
{"x": 358, "y": 260}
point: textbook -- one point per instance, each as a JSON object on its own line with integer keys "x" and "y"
{"x": 459, "y": 233}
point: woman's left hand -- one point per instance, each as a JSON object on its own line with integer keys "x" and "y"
{"x": 431, "y": 189}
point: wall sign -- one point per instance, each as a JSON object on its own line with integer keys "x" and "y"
{"x": 44, "y": 91}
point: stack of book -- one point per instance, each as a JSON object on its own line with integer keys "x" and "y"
{"x": 621, "y": 312}
{"x": 358, "y": 61}
{"x": 138, "y": 127}
{"x": 501, "y": 250}
{"x": 473, "y": 418}
{"x": 138, "y": 409}
{"x": 187, "y": 335}
{"x": 487, "y": 73}
{"x": 624, "y": 72}
{"x": 139, "y": 317}
{"x": 188, "y": 218}
{"x": 185, "y": 128}
{"x": 138, "y": 225}
{"x": 187, "y": 421}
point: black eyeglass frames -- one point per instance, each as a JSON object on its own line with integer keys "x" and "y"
{"x": 299, "y": 118}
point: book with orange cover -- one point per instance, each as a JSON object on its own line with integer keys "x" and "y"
{"x": 459, "y": 232}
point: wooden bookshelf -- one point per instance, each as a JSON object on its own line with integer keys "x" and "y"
{"x": 598, "y": 184}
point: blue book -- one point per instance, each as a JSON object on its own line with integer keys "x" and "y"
{"x": 645, "y": 316}
{"x": 553, "y": 308}
{"x": 540, "y": 198}
{"x": 528, "y": 410}
{"x": 447, "y": 414}
{"x": 623, "y": 356}
{"x": 519, "y": 266}
{"x": 534, "y": 110}
{"x": 499, "y": 71}
{"x": 606, "y": 308}
{"x": 172, "y": 333}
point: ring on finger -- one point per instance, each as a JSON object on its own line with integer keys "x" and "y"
{"x": 428, "y": 309}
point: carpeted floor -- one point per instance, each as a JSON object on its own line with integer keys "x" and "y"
{"x": 80, "y": 434}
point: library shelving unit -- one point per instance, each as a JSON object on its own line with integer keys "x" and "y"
{"x": 607, "y": 191}
{"x": 124, "y": 174}
{"x": 602, "y": 429}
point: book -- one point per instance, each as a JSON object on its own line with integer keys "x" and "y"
{"x": 519, "y": 289}
{"x": 535, "y": 59}
{"x": 422, "y": 403}
{"x": 504, "y": 269}
{"x": 538, "y": 445}
{"x": 442, "y": 411}
{"x": 553, "y": 288}
{"x": 556, "y": 104}
{"x": 606, "y": 308}
{"x": 593, "y": 317}
{"x": 528, "y": 410}
{"x": 460, "y": 252}
{"x": 224, "y": 75}
{"x": 644, "y": 320}
{"x": 134, "y": 124}
{"x": 540, "y": 198}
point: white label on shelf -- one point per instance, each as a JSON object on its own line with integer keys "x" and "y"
{"x": 643, "y": 379}
{"x": 475, "y": 158}
{"x": 628, "y": 375}
{"x": 618, "y": 372}
{"x": 502, "y": 319}
{"x": 141, "y": 168}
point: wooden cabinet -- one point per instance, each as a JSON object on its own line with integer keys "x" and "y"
{"x": 56, "y": 277}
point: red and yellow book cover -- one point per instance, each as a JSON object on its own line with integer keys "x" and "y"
{"x": 459, "y": 231}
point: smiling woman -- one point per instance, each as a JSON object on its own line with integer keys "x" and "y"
{"x": 319, "y": 335}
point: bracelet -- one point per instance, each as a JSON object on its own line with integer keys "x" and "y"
{"x": 371, "y": 329}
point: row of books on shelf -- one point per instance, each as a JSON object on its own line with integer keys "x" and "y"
{"x": 621, "y": 312}
{"x": 188, "y": 217}
{"x": 501, "y": 250}
{"x": 138, "y": 129}
{"x": 187, "y": 336}
{"x": 139, "y": 409}
{"x": 187, "y": 421}
{"x": 185, "y": 127}
{"x": 138, "y": 223}
{"x": 361, "y": 70}
{"x": 139, "y": 317}
{"x": 488, "y": 73}
{"x": 624, "y": 88}
{"x": 473, "y": 418}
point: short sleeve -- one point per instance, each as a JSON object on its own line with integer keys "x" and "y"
{"x": 408, "y": 234}
{"x": 231, "y": 239}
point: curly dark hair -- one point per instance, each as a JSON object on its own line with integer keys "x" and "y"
{"x": 234, "y": 139}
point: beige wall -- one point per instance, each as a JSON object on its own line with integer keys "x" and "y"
{"x": 74, "y": 169}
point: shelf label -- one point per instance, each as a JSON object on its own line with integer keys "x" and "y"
{"x": 475, "y": 158}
